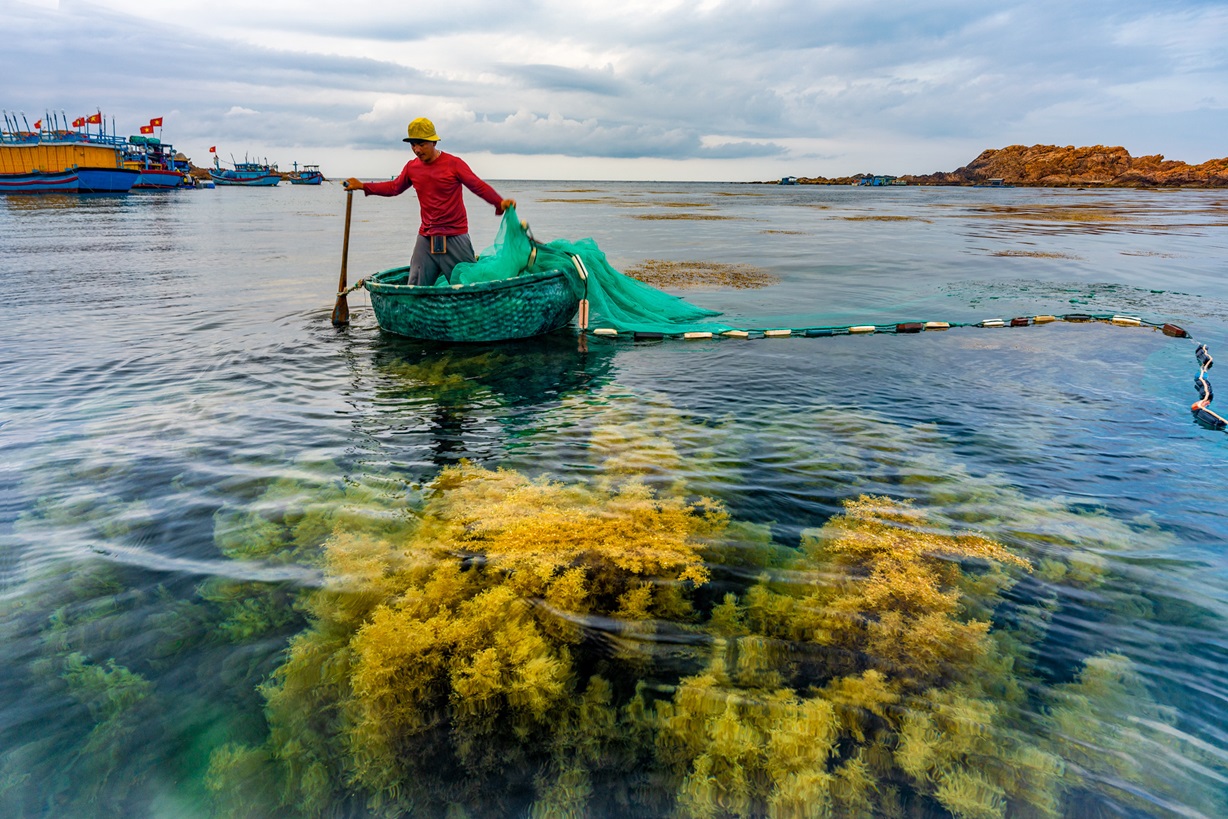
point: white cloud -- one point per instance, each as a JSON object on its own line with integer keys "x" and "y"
{"x": 1192, "y": 39}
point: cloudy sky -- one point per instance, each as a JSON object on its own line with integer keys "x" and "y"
{"x": 635, "y": 89}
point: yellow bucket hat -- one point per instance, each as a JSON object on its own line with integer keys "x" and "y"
{"x": 422, "y": 128}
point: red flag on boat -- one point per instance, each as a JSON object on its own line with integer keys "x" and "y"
{"x": 38, "y": 125}
{"x": 78, "y": 122}
{"x": 146, "y": 129}
{"x": 94, "y": 119}
{"x": 156, "y": 122}
{"x": 213, "y": 149}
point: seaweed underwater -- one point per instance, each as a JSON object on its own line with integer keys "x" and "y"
{"x": 618, "y": 642}
{"x": 87, "y": 726}
{"x": 128, "y": 681}
{"x": 509, "y": 644}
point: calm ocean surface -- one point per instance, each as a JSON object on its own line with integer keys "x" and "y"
{"x": 198, "y": 473}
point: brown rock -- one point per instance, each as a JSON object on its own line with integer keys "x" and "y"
{"x": 1053, "y": 166}
{"x": 1097, "y": 165}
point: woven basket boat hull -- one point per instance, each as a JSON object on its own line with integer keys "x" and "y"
{"x": 525, "y": 306}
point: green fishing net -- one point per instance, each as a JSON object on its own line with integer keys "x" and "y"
{"x": 616, "y": 301}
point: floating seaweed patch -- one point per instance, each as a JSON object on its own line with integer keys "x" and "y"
{"x": 1033, "y": 254}
{"x": 674, "y": 274}
{"x": 702, "y": 217}
{"x": 1096, "y": 217}
{"x": 1056, "y": 213}
{"x": 883, "y": 218}
{"x": 580, "y": 201}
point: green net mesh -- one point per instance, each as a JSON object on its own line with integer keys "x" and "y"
{"x": 615, "y": 300}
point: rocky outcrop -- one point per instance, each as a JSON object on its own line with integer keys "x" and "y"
{"x": 1054, "y": 166}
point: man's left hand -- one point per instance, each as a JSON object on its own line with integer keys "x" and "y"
{"x": 505, "y": 204}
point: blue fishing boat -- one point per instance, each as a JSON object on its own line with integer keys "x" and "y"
{"x": 162, "y": 179}
{"x": 39, "y": 182}
{"x": 106, "y": 180}
{"x": 32, "y": 162}
{"x": 161, "y": 168}
{"x": 309, "y": 175}
{"x": 245, "y": 174}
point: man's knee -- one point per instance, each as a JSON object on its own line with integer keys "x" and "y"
{"x": 424, "y": 276}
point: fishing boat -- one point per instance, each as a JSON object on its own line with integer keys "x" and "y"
{"x": 106, "y": 180}
{"x": 245, "y": 174}
{"x": 520, "y": 288}
{"x": 162, "y": 179}
{"x": 160, "y": 167}
{"x": 39, "y": 182}
{"x": 98, "y": 167}
{"x": 309, "y": 175}
{"x": 524, "y": 306}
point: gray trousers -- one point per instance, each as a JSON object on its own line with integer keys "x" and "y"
{"x": 426, "y": 267}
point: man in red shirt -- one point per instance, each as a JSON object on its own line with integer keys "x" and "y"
{"x": 443, "y": 239}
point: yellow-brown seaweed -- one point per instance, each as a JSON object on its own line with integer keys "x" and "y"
{"x": 527, "y": 646}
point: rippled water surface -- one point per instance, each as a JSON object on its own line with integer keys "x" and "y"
{"x": 253, "y": 565}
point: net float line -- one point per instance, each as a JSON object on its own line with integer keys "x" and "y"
{"x": 1200, "y": 409}
{"x": 899, "y": 328}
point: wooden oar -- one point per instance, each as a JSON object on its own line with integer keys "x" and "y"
{"x": 341, "y": 310}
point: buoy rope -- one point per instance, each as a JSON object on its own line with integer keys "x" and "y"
{"x": 1202, "y": 413}
{"x": 353, "y": 287}
{"x": 894, "y": 327}
{"x": 1200, "y": 409}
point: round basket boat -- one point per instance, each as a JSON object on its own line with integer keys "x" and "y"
{"x": 521, "y": 307}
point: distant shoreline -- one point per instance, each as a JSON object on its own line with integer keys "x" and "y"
{"x": 1050, "y": 166}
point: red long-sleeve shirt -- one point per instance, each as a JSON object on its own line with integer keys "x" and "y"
{"x": 438, "y": 184}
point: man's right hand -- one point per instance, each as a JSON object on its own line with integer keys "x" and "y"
{"x": 352, "y": 184}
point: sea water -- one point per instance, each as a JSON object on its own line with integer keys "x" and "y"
{"x": 176, "y": 402}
